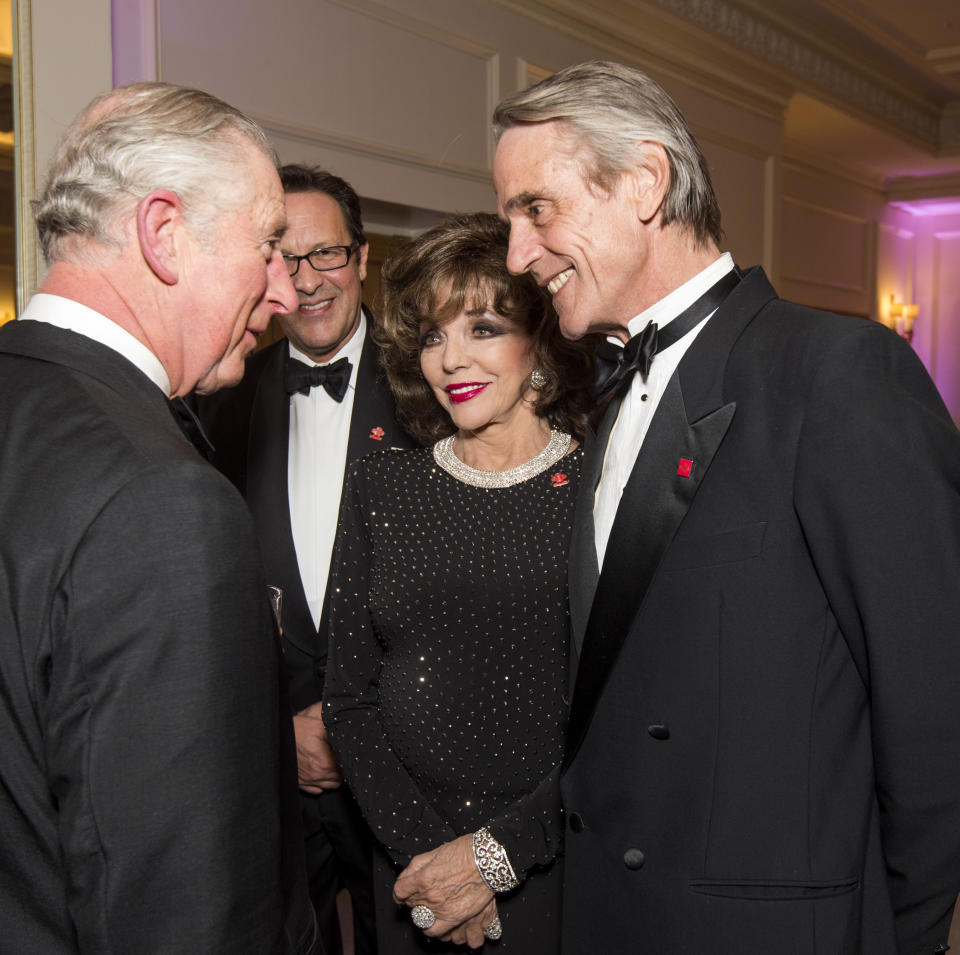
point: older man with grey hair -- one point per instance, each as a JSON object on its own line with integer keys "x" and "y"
{"x": 763, "y": 750}
{"x": 148, "y": 797}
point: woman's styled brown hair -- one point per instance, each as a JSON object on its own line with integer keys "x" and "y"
{"x": 461, "y": 265}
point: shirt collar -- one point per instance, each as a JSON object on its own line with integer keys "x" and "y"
{"x": 669, "y": 307}
{"x": 71, "y": 315}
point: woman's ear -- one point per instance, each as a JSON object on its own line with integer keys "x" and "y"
{"x": 159, "y": 221}
{"x": 648, "y": 182}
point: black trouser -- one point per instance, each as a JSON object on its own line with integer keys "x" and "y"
{"x": 338, "y": 854}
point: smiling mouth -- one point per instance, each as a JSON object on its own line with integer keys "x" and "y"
{"x": 558, "y": 281}
{"x": 311, "y": 307}
{"x": 460, "y": 393}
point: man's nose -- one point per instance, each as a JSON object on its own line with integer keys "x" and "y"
{"x": 280, "y": 290}
{"x": 307, "y": 279}
{"x": 523, "y": 249}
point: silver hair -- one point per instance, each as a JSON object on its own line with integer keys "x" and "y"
{"x": 609, "y": 109}
{"x": 133, "y": 140}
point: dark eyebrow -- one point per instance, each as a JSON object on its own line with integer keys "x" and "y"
{"x": 520, "y": 201}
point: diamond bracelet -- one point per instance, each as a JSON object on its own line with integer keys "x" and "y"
{"x": 492, "y": 862}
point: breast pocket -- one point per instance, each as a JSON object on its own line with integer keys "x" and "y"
{"x": 760, "y": 890}
{"x": 739, "y": 543}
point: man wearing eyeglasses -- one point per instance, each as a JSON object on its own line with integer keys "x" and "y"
{"x": 308, "y": 406}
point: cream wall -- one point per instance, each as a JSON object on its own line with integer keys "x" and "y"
{"x": 844, "y": 248}
{"x": 938, "y": 283}
{"x": 396, "y": 95}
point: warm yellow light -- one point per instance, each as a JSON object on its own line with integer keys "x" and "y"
{"x": 900, "y": 317}
{"x": 888, "y": 316}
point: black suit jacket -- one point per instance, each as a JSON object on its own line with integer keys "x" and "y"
{"x": 148, "y": 798}
{"x": 249, "y": 427}
{"x": 764, "y": 738}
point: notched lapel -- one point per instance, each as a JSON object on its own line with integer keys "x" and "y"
{"x": 670, "y": 467}
{"x": 269, "y": 434}
{"x": 583, "y": 571}
{"x": 373, "y": 422}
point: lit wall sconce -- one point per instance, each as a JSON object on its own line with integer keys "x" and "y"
{"x": 900, "y": 318}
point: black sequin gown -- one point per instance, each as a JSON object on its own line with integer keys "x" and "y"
{"x": 447, "y": 672}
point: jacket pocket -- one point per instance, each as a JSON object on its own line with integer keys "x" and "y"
{"x": 785, "y": 891}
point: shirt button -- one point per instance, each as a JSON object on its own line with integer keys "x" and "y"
{"x": 576, "y": 822}
{"x": 659, "y": 731}
{"x": 633, "y": 859}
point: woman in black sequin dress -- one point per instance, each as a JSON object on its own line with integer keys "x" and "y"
{"x": 447, "y": 666}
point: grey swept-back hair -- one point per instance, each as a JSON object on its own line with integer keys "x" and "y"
{"x": 135, "y": 139}
{"x": 608, "y": 109}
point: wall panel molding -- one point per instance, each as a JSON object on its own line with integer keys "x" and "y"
{"x": 846, "y": 233}
{"x": 664, "y": 44}
{"x": 748, "y": 58}
{"x": 315, "y": 136}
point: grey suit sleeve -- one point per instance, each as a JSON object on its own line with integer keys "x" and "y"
{"x": 878, "y": 494}
{"x": 162, "y": 725}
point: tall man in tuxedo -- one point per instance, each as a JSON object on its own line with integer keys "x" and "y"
{"x": 308, "y": 406}
{"x": 763, "y": 749}
{"x": 148, "y": 771}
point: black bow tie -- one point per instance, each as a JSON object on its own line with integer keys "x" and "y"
{"x": 298, "y": 377}
{"x": 616, "y": 366}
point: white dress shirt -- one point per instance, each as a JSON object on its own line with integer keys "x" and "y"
{"x": 640, "y": 403}
{"x": 316, "y": 458}
{"x": 71, "y": 315}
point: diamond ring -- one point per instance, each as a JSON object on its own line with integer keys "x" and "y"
{"x": 422, "y": 916}
{"x": 494, "y": 930}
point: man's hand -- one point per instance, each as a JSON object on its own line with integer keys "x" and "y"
{"x": 446, "y": 880}
{"x": 317, "y": 767}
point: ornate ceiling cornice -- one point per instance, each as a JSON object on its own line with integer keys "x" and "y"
{"x": 661, "y": 43}
{"x": 739, "y": 54}
{"x": 811, "y": 64}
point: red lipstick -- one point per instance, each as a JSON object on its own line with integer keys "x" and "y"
{"x": 465, "y": 390}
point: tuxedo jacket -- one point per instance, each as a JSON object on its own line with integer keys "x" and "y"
{"x": 764, "y": 737}
{"x": 249, "y": 427}
{"x": 147, "y": 771}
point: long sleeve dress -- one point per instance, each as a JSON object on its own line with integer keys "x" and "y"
{"x": 447, "y": 672}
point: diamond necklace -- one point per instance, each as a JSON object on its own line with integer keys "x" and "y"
{"x": 556, "y": 448}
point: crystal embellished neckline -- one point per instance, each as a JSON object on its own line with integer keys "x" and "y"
{"x": 557, "y": 447}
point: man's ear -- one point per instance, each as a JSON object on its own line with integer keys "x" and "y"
{"x": 649, "y": 181}
{"x": 362, "y": 254}
{"x": 159, "y": 219}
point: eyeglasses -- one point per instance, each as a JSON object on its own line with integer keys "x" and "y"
{"x": 321, "y": 260}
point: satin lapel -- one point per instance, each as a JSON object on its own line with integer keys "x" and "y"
{"x": 267, "y": 497}
{"x": 689, "y": 426}
{"x": 584, "y": 570}
{"x": 373, "y": 423}
{"x": 671, "y": 464}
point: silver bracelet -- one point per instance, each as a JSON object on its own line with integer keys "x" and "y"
{"x": 492, "y": 862}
